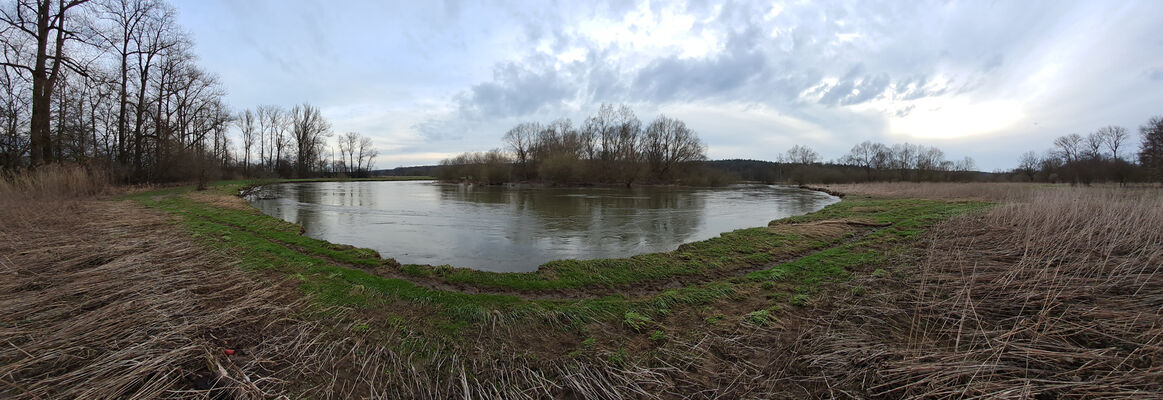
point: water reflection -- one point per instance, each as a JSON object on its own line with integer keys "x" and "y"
{"x": 517, "y": 229}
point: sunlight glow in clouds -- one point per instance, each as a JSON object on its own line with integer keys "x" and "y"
{"x": 941, "y": 118}
{"x": 646, "y": 30}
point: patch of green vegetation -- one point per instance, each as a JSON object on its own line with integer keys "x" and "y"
{"x": 658, "y": 337}
{"x": 880, "y": 273}
{"x": 636, "y": 321}
{"x": 731, "y": 250}
{"x": 715, "y": 319}
{"x": 617, "y": 358}
{"x": 759, "y": 318}
{"x": 589, "y": 343}
{"x": 800, "y": 300}
{"x": 265, "y": 226}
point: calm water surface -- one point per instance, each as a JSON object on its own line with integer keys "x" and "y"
{"x": 516, "y": 229}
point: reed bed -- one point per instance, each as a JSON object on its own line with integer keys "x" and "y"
{"x": 1057, "y": 296}
{"x": 984, "y": 191}
{"x": 102, "y": 300}
{"x": 53, "y": 181}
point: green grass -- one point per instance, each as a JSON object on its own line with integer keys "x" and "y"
{"x": 732, "y": 250}
{"x": 636, "y": 321}
{"x": 759, "y": 318}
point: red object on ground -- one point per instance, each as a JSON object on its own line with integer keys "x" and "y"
{"x": 229, "y": 352}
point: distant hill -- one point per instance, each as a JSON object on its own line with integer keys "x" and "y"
{"x": 421, "y": 170}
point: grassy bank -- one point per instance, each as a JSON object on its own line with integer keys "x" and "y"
{"x": 786, "y": 251}
{"x": 893, "y": 292}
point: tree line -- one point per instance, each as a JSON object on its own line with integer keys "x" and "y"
{"x": 115, "y": 84}
{"x": 1101, "y": 156}
{"x": 865, "y": 162}
{"x": 610, "y": 147}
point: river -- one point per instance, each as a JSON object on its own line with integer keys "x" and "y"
{"x": 516, "y": 229}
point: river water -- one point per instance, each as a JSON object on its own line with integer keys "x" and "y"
{"x": 516, "y": 229}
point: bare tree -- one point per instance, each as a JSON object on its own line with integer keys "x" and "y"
{"x": 1113, "y": 138}
{"x": 156, "y": 36}
{"x": 966, "y": 164}
{"x": 1093, "y": 148}
{"x": 667, "y": 144}
{"x": 519, "y": 141}
{"x": 272, "y": 120}
{"x": 347, "y": 144}
{"x": 588, "y": 136}
{"x": 1028, "y": 164}
{"x": 262, "y": 119}
{"x": 14, "y": 118}
{"x": 308, "y": 131}
{"x": 1151, "y": 147}
{"x": 366, "y": 155}
{"x": 627, "y": 129}
{"x": 126, "y": 19}
{"x": 930, "y": 161}
{"x": 246, "y": 125}
{"x": 45, "y": 23}
{"x": 279, "y": 123}
{"x": 801, "y": 155}
{"x": 604, "y": 123}
{"x": 1069, "y": 147}
{"x": 867, "y": 155}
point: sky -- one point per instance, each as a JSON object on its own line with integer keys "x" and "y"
{"x": 429, "y": 79}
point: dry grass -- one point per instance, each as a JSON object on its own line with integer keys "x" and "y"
{"x": 102, "y": 300}
{"x": 218, "y": 200}
{"x": 53, "y": 181}
{"x": 941, "y": 190}
{"x": 1058, "y": 296}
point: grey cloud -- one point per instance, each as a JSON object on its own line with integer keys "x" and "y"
{"x": 856, "y": 87}
{"x": 673, "y": 79}
{"x": 1155, "y": 74}
{"x": 993, "y": 63}
{"x": 517, "y": 90}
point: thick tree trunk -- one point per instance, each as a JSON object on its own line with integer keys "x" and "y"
{"x": 40, "y": 148}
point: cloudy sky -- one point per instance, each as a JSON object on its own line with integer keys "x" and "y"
{"x": 426, "y": 79}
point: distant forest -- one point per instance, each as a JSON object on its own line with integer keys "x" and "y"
{"x": 605, "y": 152}
{"x": 610, "y": 147}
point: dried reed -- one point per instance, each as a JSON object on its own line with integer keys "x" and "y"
{"x": 53, "y": 181}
